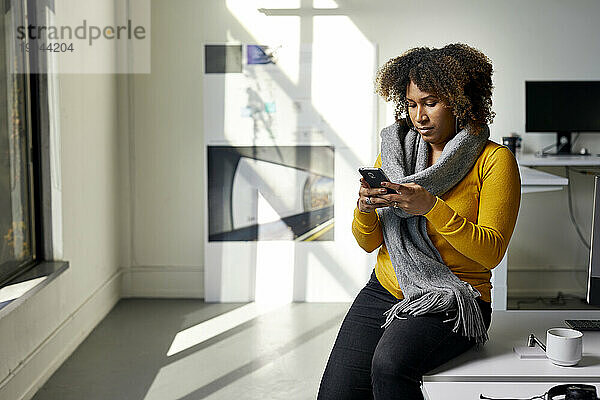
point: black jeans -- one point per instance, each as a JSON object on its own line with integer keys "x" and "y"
{"x": 370, "y": 362}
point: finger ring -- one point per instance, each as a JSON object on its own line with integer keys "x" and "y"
{"x": 395, "y": 205}
{"x": 368, "y": 201}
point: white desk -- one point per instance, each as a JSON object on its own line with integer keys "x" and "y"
{"x": 531, "y": 181}
{"x": 497, "y": 371}
{"x": 531, "y": 160}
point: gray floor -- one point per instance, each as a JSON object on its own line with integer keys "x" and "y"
{"x": 278, "y": 355}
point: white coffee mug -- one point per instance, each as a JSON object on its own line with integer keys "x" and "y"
{"x": 564, "y": 346}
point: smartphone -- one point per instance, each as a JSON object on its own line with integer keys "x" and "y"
{"x": 374, "y": 177}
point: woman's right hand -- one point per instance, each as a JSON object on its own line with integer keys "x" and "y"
{"x": 365, "y": 192}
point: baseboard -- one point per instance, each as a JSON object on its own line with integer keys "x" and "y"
{"x": 163, "y": 282}
{"x": 552, "y": 292}
{"x": 61, "y": 343}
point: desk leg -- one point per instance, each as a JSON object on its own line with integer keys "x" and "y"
{"x": 499, "y": 284}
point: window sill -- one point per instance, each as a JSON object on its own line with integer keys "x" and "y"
{"x": 17, "y": 291}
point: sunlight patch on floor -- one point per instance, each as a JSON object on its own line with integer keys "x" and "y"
{"x": 199, "y": 333}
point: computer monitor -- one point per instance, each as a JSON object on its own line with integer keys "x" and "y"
{"x": 562, "y": 107}
{"x": 593, "y": 286}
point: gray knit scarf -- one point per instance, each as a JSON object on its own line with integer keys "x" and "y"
{"x": 427, "y": 283}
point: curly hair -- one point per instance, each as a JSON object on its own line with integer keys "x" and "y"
{"x": 458, "y": 74}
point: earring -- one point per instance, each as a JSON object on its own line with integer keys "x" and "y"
{"x": 455, "y": 124}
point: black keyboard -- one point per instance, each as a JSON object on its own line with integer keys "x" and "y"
{"x": 584, "y": 324}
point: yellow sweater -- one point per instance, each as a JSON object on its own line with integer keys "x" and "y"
{"x": 470, "y": 225}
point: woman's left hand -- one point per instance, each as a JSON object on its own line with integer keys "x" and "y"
{"x": 412, "y": 198}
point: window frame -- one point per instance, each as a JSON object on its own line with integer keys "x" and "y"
{"x": 38, "y": 121}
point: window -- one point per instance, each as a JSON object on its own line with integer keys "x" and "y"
{"x": 20, "y": 222}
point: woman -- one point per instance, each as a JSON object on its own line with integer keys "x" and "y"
{"x": 439, "y": 235}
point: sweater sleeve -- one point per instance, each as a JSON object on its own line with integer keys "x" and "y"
{"x": 366, "y": 227}
{"x": 486, "y": 240}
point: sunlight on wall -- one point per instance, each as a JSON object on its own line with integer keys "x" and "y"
{"x": 337, "y": 42}
{"x": 325, "y": 4}
{"x": 263, "y": 27}
{"x": 274, "y": 271}
{"x": 245, "y": 119}
{"x": 327, "y": 98}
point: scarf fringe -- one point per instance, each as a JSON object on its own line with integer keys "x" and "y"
{"x": 394, "y": 312}
{"x": 468, "y": 319}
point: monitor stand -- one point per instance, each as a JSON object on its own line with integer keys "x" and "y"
{"x": 563, "y": 143}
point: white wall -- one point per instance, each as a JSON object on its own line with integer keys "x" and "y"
{"x": 38, "y": 335}
{"x": 537, "y": 39}
{"x": 166, "y": 159}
